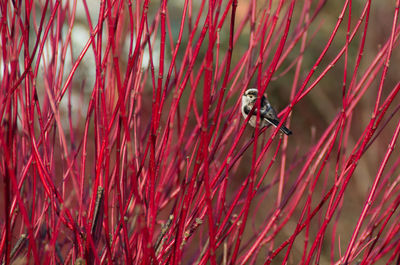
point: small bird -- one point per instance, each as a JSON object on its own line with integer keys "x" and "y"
{"x": 267, "y": 112}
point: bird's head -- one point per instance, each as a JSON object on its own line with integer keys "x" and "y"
{"x": 250, "y": 96}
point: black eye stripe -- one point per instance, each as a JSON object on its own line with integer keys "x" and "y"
{"x": 252, "y": 93}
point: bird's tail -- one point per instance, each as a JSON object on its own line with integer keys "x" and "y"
{"x": 283, "y": 129}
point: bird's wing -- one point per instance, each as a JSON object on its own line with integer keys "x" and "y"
{"x": 267, "y": 111}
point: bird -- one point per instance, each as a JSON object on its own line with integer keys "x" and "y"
{"x": 267, "y": 112}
